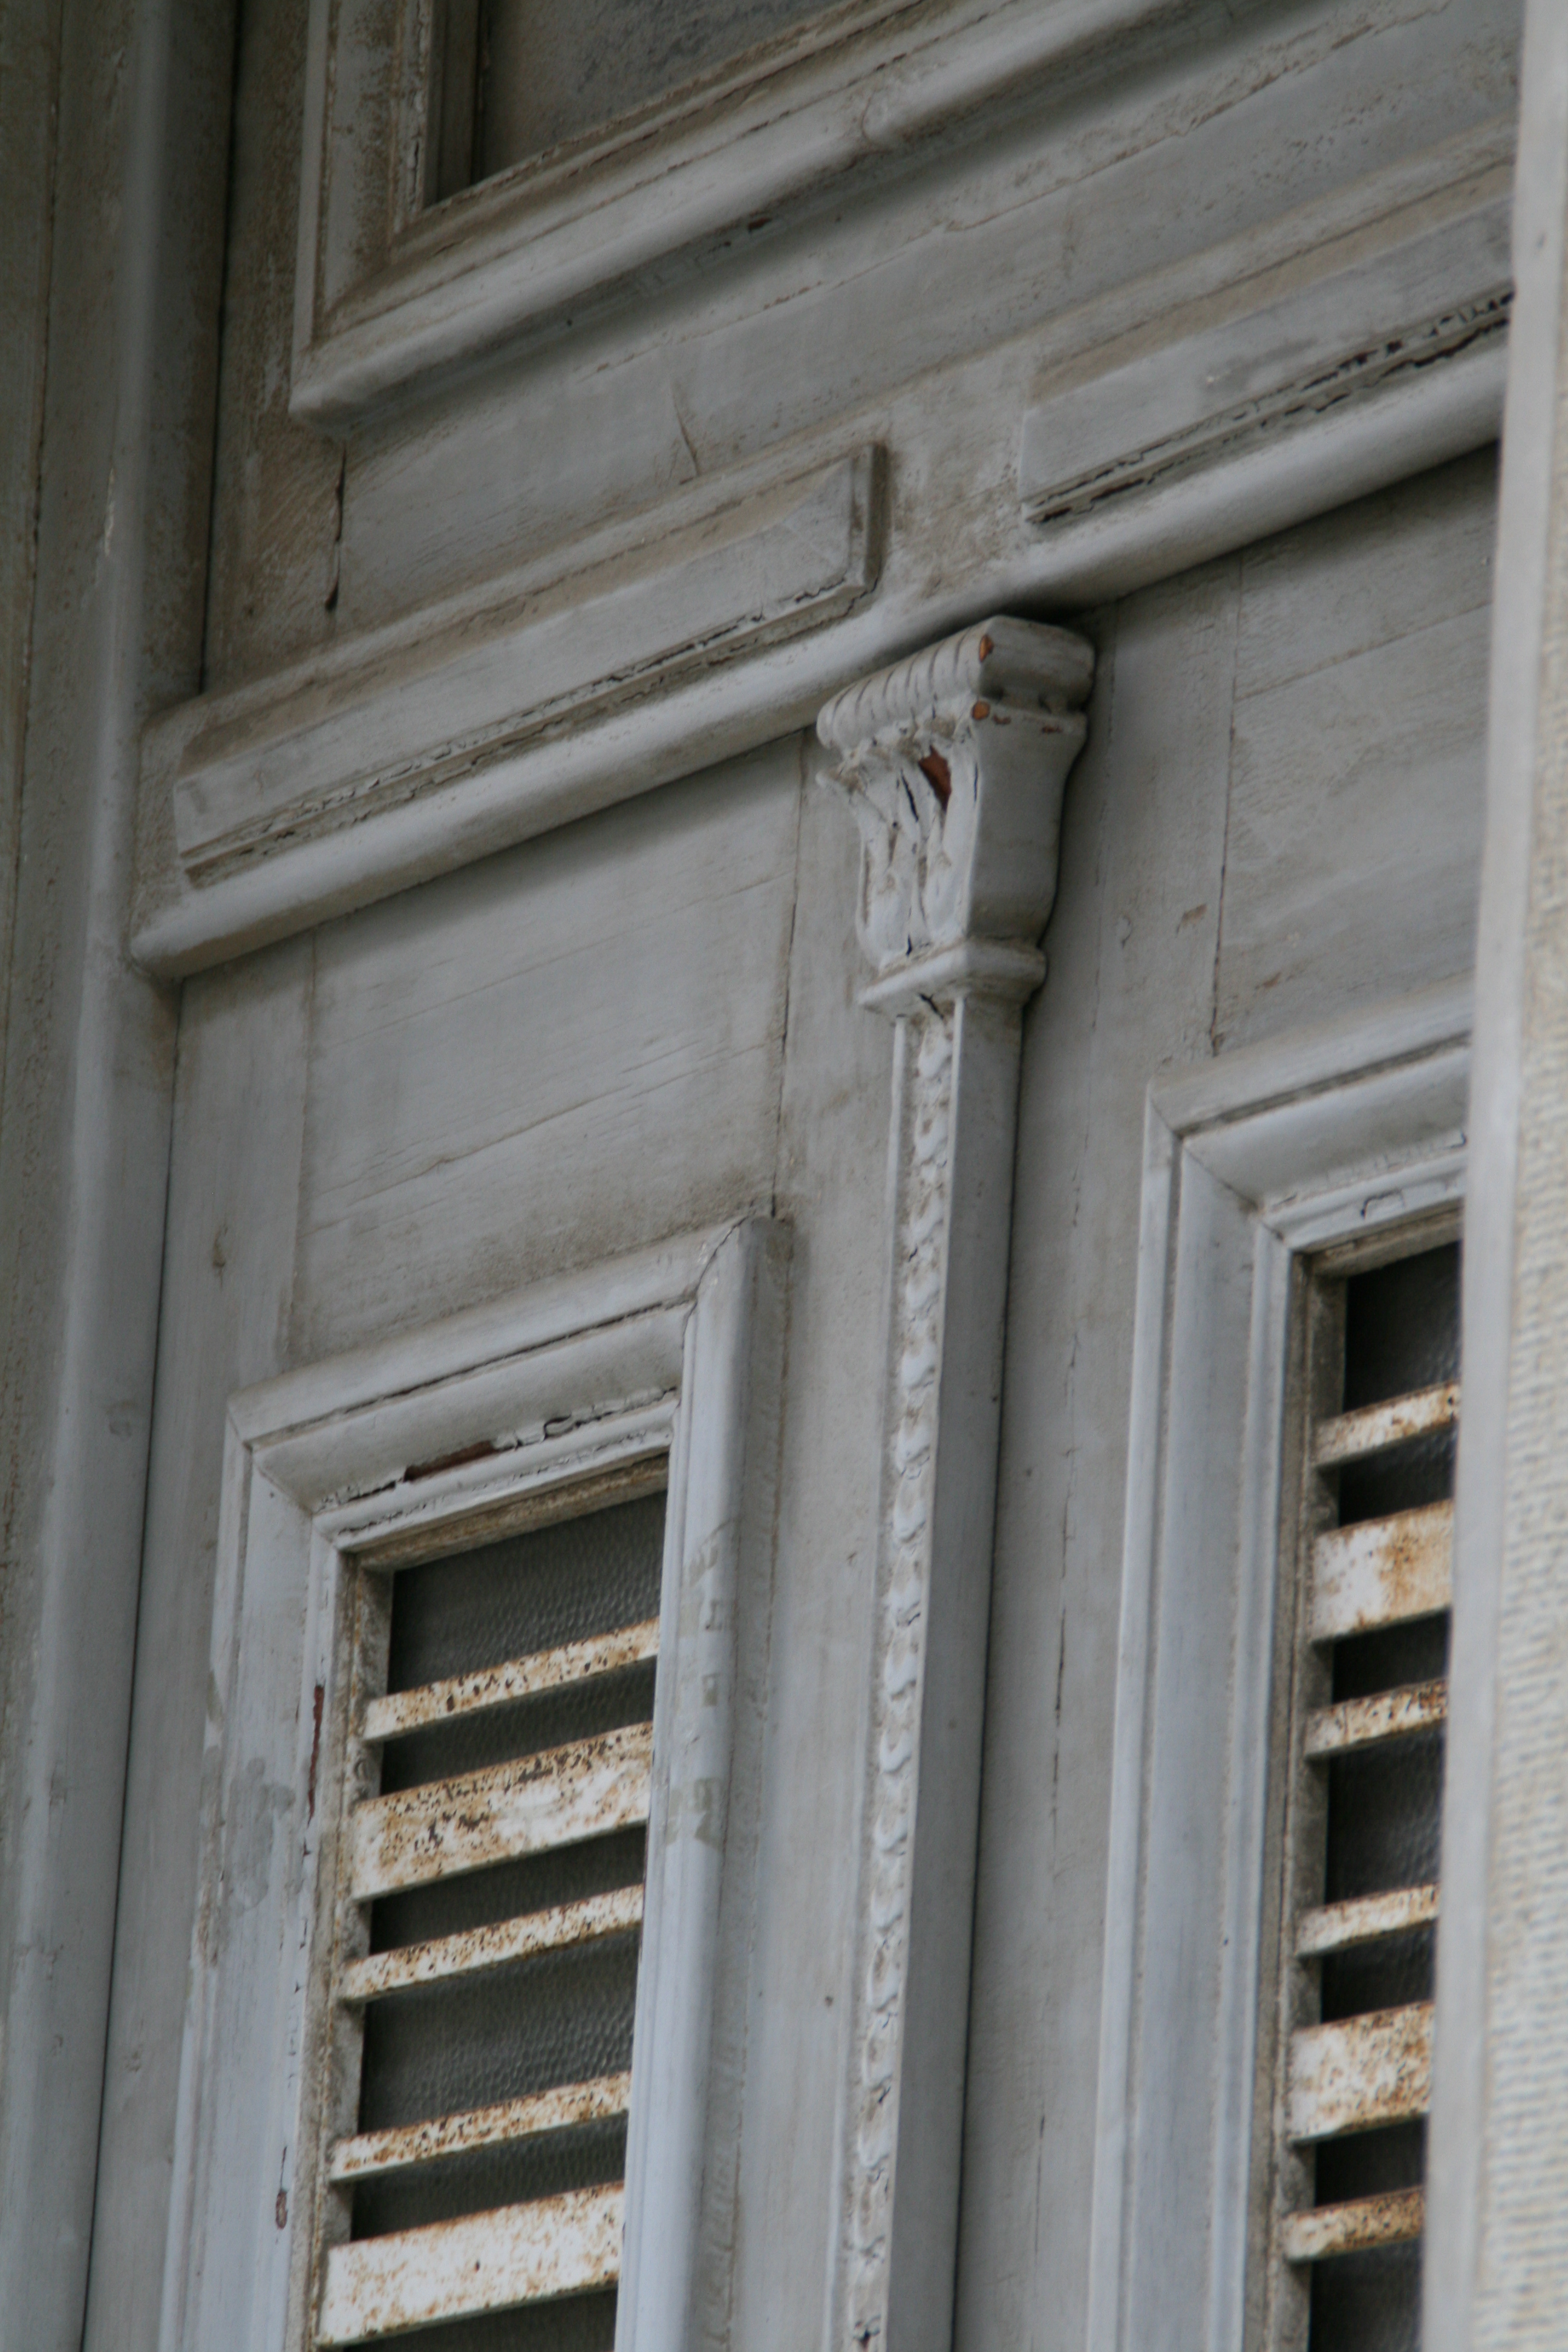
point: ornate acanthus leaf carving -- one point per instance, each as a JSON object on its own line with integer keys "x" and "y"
{"x": 954, "y": 764}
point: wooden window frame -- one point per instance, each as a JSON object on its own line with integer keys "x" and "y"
{"x": 456, "y": 1432}
{"x": 1269, "y": 1158}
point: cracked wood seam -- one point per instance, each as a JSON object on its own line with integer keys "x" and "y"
{"x": 954, "y": 764}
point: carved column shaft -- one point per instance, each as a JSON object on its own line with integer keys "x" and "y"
{"x": 954, "y": 764}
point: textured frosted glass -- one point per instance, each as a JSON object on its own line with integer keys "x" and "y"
{"x": 1368, "y": 2303}
{"x": 496, "y": 1732}
{"x": 586, "y": 2323}
{"x": 1384, "y": 1808}
{"x": 565, "y": 2017}
{"x": 482, "y": 1897}
{"x": 530, "y": 1593}
{"x": 1402, "y": 1326}
{"x": 478, "y": 2182}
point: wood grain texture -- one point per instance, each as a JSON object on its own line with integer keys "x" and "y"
{"x": 228, "y": 1285}
{"x": 795, "y": 1989}
{"x": 1130, "y": 956}
{"x": 570, "y": 1051}
{"x": 1354, "y": 851}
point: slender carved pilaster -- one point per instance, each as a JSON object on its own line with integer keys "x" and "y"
{"x": 954, "y": 764}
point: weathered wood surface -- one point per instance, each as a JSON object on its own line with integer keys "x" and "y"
{"x": 645, "y": 1021}
{"x": 227, "y": 1287}
{"x": 112, "y": 187}
{"x": 1225, "y": 158}
{"x": 564, "y": 1053}
{"x": 1359, "y": 719}
{"x": 1129, "y": 990}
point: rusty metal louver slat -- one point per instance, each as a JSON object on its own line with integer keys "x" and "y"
{"x": 1356, "y": 2065}
{"x": 480, "y": 1954}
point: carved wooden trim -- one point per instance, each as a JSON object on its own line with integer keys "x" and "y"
{"x": 954, "y": 764}
{"x": 941, "y": 758}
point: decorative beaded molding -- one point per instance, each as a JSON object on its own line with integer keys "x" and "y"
{"x": 954, "y": 764}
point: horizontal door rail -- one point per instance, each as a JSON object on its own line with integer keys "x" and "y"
{"x": 1359, "y": 2072}
{"x": 1382, "y": 1571}
{"x": 1351, "y": 1436}
{"x": 372, "y": 2153}
{"x": 575, "y": 1662}
{"x": 559, "y": 1797}
{"x": 1391, "y": 2220}
{"x": 1366, "y": 1722}
{"x": 492, "y": 1948}
{"x": 1339, "y": 1926}
{"x": 486, "y": 2262}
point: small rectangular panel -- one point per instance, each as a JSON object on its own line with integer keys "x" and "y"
{"x": 1391, "y": 2220}
{"x": 377, "y": 722}
{"x": 583, "y": 1791}
{"x": 1361, "y": 2070}
{"x": 491, "y": 2261}
{"x": 1383, "y": 1571}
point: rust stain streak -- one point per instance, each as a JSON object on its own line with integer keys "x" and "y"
{"x": 490, "y": 1947}
{"x": 1351, "y": 1436}
{"x": 475, "y": 1453}
{"x": 1383, "y": 1571}
{"x": 583, "y": 1790}
{"x": 316, "y": 1706}
{"x": 494, "y": 2127}
{"x": 403, "y": 1711}
{"x": 1398, "y": 2215}
{"x": 1359, "y": 2072}
{"x": 1366, "y": 1722}
{"x": 938, "y": 775}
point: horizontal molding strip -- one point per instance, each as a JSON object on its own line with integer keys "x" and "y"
{"x": 487, "y": 2262}
{"x": 1353, "y": 1436}
{"x": 1360, "y": 2071}
{"x": 331, "y": 744}
{"x": 1366, "y": 1722}
{"x": 264, "y": 812}
{"x": 761, "y": 134}
{"x": 369, "y": 2154}
{"x": 492, "y": 1948}
{"x": 1338, "y": 1927}
{"x": 575, "y": 1661}
{"x": 1383, "y": 1571}
{"x": 1391, "y": 2220}
{"x": 1347, "y": 336}
{"x": 583, "y": 1790}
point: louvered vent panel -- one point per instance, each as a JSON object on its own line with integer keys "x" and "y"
{"x": 1368, "y": 1741}
{"x": 485, "y": 1978}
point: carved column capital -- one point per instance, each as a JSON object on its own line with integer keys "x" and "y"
{"x": 953, "y": 762}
